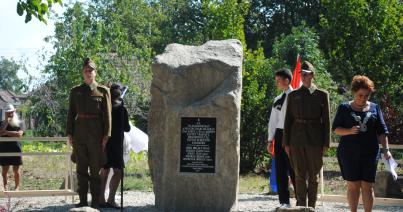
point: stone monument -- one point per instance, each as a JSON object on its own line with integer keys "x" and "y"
{"x": 385, "y": 186}
{"x": 194, "y": 123}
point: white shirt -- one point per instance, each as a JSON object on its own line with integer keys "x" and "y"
{"x": 277, "y": 114}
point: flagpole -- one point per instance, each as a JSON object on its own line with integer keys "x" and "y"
{"x": 123, "y": 161}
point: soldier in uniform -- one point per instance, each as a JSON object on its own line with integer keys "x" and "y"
{"x": 307, "y": 134}
{"x": 88, "y": 130}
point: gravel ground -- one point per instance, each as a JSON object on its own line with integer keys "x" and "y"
{"x": 144, "y": 201}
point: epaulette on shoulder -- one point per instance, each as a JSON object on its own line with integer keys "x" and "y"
{"x": 102, "y": 87}
{"x": 323, "y": 91}
{"x": 76, "y": 87}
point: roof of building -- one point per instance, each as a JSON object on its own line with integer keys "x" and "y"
{"x": 8, "y": 97}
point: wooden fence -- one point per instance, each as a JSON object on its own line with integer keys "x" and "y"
{"x": 68, "y": 175}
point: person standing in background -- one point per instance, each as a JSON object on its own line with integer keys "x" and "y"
{"x": 11, "y": 126}
{"x": 283, "y": 79}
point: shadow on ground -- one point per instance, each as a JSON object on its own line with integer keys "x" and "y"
{"x": 257, "y": 198}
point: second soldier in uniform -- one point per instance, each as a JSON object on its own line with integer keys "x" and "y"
{"x": 88, "y": 130}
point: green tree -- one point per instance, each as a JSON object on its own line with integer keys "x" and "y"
{"x": 259, "y": 88}
{"x": 8, "y": 76}
{"x": 37, "y": 8}
{"x": 267, "y": 20}
{"x": 180, "y": 21}
{"x": 224, "y": 19}
{"x": 43, "y": 108}
{"x": 364, "y": 37}
{"x": 304, "y": 41}
{"x": 98, "y": 30}
{"x": 195, "y": 22}
{"x": 258, "y": 91}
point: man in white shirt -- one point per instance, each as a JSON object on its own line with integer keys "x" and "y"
{"x": 283, "y": 79}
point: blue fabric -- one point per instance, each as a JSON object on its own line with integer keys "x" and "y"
{"x": 357, "y": 154}
{"x": 272, "y": 180}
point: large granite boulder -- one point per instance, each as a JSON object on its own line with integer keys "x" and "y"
{"x": 194, "y": 123}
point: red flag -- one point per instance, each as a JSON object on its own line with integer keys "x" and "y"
{"x": 270, "y": 148}
{"x": 296, "y": 78}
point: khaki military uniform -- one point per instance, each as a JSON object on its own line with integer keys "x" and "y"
{"x": 306, "y": 132}
{"x": 88, "y": 121}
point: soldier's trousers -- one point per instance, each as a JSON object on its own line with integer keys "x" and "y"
{"x": 89, "y": 155}
{"x": 306, "y": 162}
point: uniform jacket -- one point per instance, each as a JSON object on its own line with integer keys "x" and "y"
{"x": 95, "y": 106}
{"x": 307, "y": 120}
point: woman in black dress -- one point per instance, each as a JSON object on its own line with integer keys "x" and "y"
{"x": 114, "y": 148}
{"x": 11, "y": 126}
{"x": 361, "y": 126}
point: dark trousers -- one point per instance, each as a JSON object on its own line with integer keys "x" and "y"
{"x": 89, "y": 155}
{"x": 307, "y": 162}
{"x": 283, "y": 169}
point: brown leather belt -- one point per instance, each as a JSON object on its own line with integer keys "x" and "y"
{"x": 87, "y": 116}
{"x": 309, "y": 121}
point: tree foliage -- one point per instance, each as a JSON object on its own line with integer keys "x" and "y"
{"x": 195, "y": 22}
{"x": 97, "y": 30}
{"x": 122, "y": 36}
{"x": 8, "y": 76}
{"x": 257, "y": 95}
{"x": 266, "y": 20}
{"x": 37, "y": 8}
{"x": 304, "y": 41}
{"x": 364, "y": 37}
{"x": 259, "y": 88}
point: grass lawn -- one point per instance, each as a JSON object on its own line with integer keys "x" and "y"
{"x": 39, "y": 175}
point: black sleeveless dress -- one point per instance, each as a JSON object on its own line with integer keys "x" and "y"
{"x": 12, "y": 146}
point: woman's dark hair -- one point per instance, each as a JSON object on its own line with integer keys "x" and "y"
{"x": 362, "y": 82}
{"x": 116, "y": 91}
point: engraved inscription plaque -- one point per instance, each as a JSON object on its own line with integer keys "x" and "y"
{"x": 198, "y": 144}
